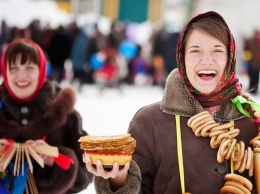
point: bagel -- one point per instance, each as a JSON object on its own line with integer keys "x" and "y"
{"x": 238, "y": 185}
{"x": 231, "y": 149}
{"x": 216, "y": 133}
{"x": 205, "y": 124}
{"x": 228, "y": 189}
{"x": 240, "y": 151}
{"x": 257, "y": 150}
{"x": 257, "y": 114}
{"x": 199, "y": 120}
{"x": 249, "y": 157}
{"x": 257, "y": 171}
{"x": 213, "y": 143}
{"x": 254, "y": 139}
{"x": 251, "y": 169}
{"x": 223, "y": 148}
{"x": 243, "y": 164}
{"x": 220, "y": 158}
{"x": 195, "y": 116}
{"x": 223, "y": 126}
{"x": 237, "y": 164}
{"x": 240, "y": 179}
{"x": 206, "y": 130}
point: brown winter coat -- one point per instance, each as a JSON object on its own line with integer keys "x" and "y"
{"x": 50, "y": 114}
{"x": 154, "y": 129}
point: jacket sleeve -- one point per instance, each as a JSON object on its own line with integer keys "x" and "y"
{"x": 75, "y": 131}
{"x": 143, "y": 155}
{"x": 132, "y": 185}
{"x": 75, "y": 179}
{"x": 54, "y": 179}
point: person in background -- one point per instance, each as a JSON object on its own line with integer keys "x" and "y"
{"x": 252, "y": 45}
{"x": 176, "y": 148}
{"x": 36, "y": 111}
{"x": 79, "y": 55}
{"x": 58, "y": 50}
{"x": 140, "y": 69}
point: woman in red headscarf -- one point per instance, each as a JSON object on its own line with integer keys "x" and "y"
{"x": 35, "y": 111}
{"x": 202, "y": 137}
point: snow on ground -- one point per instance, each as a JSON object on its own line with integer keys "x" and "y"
{"x": 109, "y": 112}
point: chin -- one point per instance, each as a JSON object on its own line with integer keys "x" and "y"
{"x": 22, "y": 97}
{"x": 205, "y": 90}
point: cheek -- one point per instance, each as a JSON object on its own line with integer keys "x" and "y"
{"x": 189, "y": 68}
{"x": 35, "y": 77}
{"x": 223, "y": 66}
{"x": 10, "y": 77}
{"x": 190, "y": 74}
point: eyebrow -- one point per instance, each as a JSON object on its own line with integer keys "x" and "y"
{"x": 219, "y": 46}
{"x": 198, "y": 46}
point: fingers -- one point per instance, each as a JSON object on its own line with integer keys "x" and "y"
{"x": 100, "y": 171}
{"x": 35, "y": 142}
{"x": 4, "y": 141}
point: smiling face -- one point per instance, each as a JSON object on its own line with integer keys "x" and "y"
{"x": 22, "y": 78}
{"x": 205, "y": 60}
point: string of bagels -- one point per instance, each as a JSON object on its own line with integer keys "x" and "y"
{"x": 223, "y": 137}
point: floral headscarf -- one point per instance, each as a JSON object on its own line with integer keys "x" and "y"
{"x": 228, "y": 86}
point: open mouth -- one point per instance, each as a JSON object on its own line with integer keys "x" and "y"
{"x": 207, "y": 73}
{"x": 22, "y": 84}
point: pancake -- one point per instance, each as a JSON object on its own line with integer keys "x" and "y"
{"x": 108, "y": 149}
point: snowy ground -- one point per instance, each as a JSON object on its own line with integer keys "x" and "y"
{"x": 110, "y": 112}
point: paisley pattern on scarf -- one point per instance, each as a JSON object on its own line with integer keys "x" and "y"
{"x": 228, "y": 86}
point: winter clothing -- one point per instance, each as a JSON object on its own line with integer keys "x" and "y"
{"x": 155, "y": 129}
{"x": 132, "y": 185}
{"x": 156, "y": 153}
{"x": 50, "y": 114}
{"x": 47, "y": 114}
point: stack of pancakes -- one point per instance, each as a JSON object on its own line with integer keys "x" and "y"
{"x": 108, "y": 149}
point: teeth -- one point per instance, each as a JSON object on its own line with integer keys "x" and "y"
{"x": 207, "y": 72}
{"x": 22, "y": 83}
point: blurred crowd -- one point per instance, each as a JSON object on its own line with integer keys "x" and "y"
{"x": 251, "y": 56}
{"x": 86, "y": 55}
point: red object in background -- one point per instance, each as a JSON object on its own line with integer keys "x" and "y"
{"x": 108, "y": 71}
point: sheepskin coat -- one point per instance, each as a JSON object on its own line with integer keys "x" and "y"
{"x": 50, "y": 114}
{"x": 154, "y": 128}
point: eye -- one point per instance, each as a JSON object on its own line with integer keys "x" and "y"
{"x": 31, "y": 67}
{"x": 218, "y": 51}
{"x": 13, "y": 67}
{"x": 194, "y": 51}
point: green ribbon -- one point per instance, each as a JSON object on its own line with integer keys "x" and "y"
{"x": 239, "y": 100}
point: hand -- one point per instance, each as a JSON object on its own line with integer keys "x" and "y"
{"x": 4, "y": 142}
{"x": 117, "y": 177}
{"x": 48, "y": 160}
{"x": 35, "y": 142}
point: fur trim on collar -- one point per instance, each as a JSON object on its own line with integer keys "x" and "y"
{"x": 55, "y": 117}
{"x": 56, "y": 104}
{"x": 177, "y": 99}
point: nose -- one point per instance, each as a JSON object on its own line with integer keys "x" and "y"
{"x": 22, "y": 72}
{"x": 207, "y": 59}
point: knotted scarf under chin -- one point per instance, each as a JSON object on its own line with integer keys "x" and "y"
{"x": 220, "y": 97}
